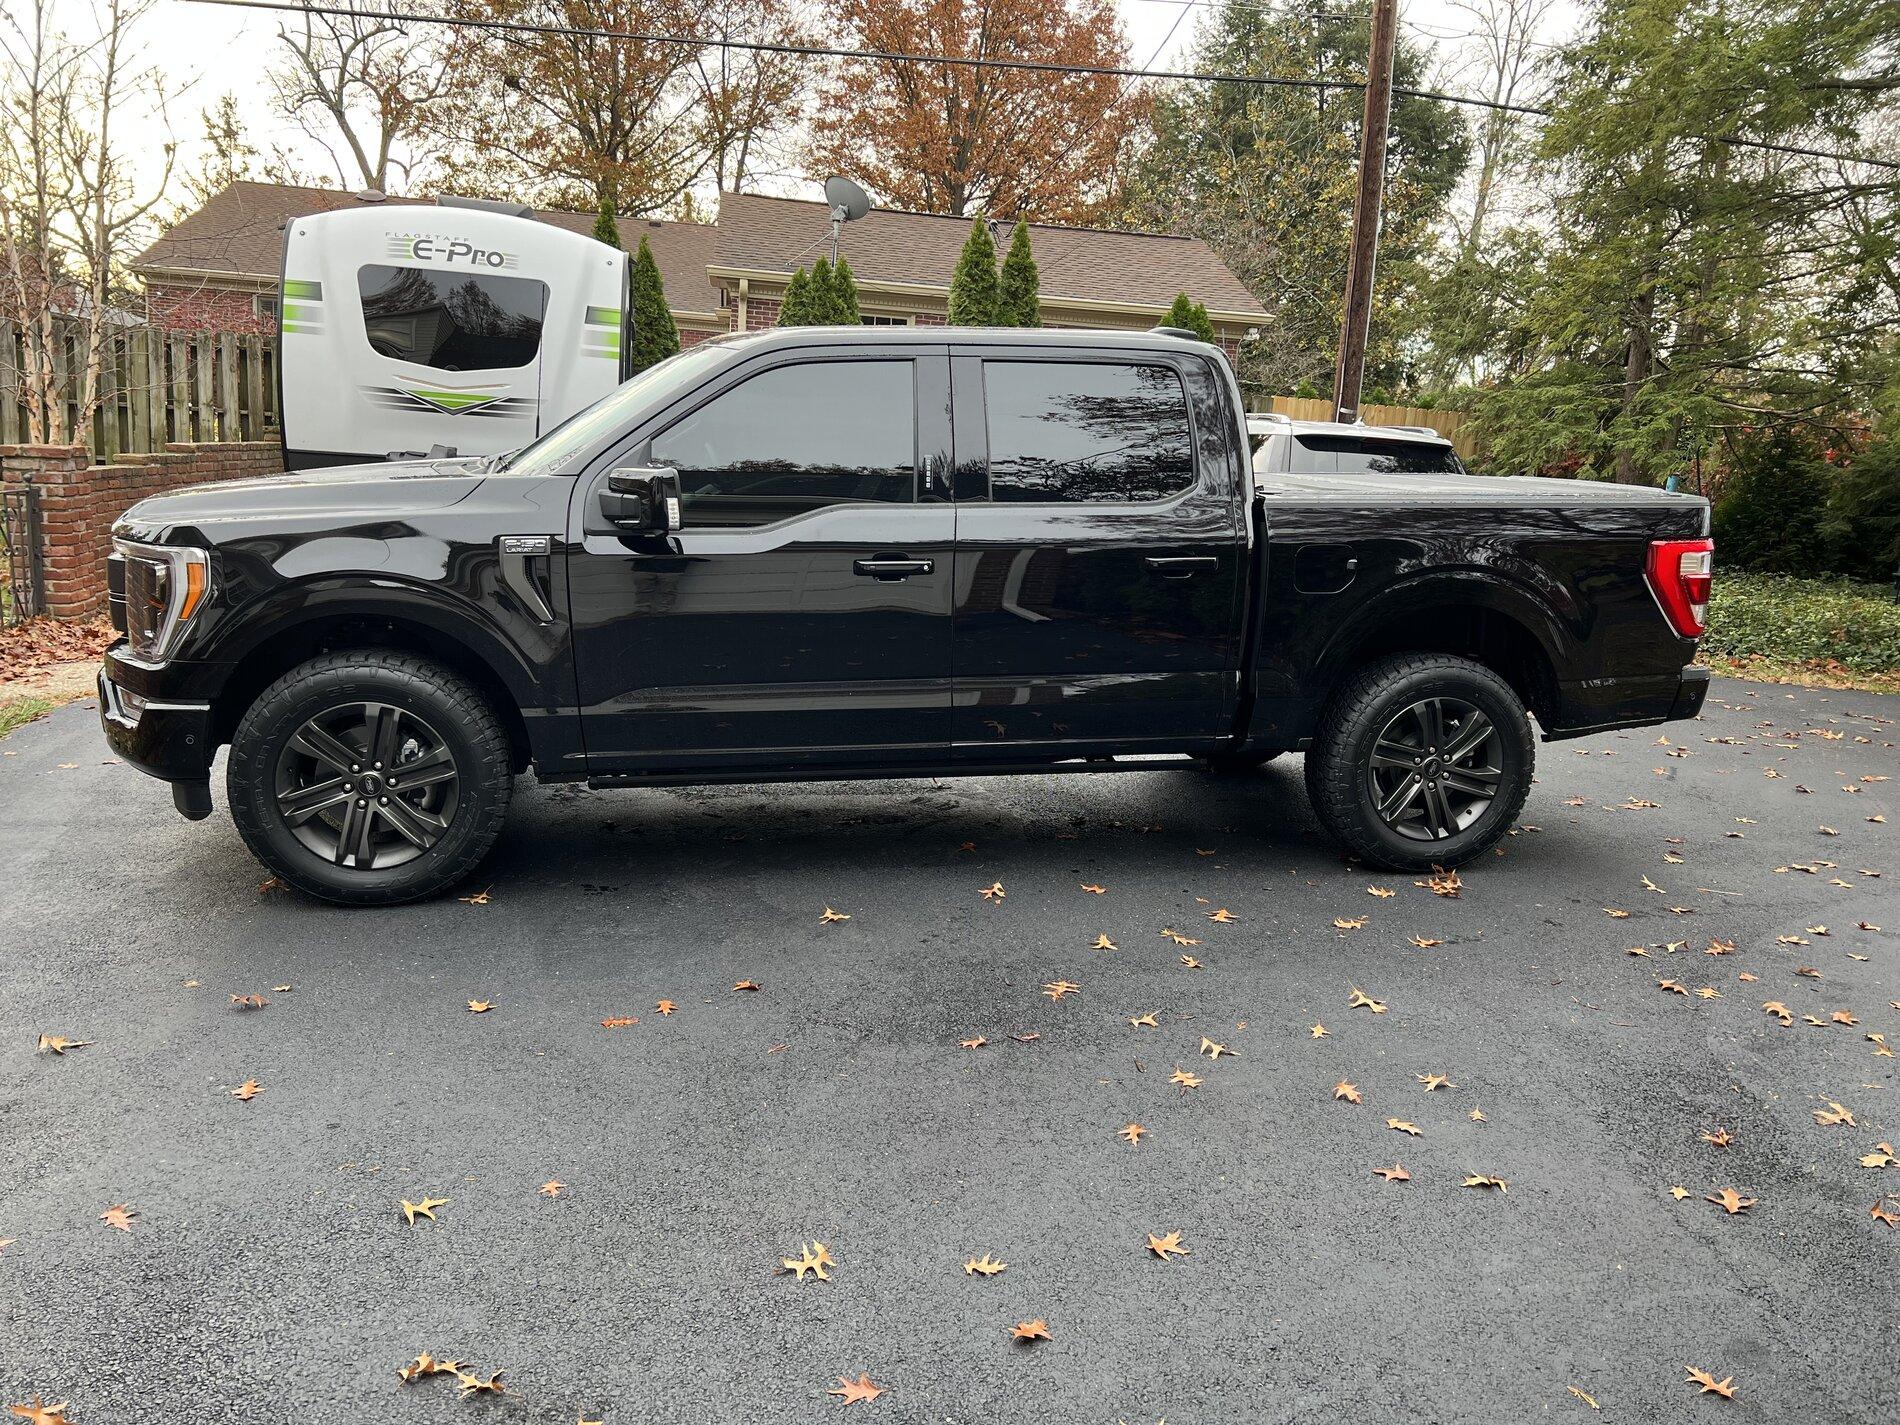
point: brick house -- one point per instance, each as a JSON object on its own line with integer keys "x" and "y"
{"x": 218, "y": 268}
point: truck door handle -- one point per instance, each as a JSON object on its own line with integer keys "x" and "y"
{"x": 892, "y": 566}
{"x": 1181, "y": 566}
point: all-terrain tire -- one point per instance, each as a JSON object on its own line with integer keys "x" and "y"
{"x": 1338, "y": 762}
{"x": 451, "y": 707}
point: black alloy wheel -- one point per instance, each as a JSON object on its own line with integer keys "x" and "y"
{"x": 1435, "y": 768}
{"x": 367, "y": 785}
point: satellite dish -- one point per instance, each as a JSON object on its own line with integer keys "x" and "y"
{"x": 847, "y": 201}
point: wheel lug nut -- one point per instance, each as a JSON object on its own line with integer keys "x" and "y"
{"x": 382, "y": 801}
{"x": 379, "y": 766}
{"x": 363, "y": 803}
{"x": 355, "y": 768}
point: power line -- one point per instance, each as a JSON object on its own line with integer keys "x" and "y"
{"x": 1031, "y": 66}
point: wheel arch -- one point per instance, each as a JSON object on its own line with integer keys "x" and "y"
{"x": 335, "y": 617}
{"x": 1468, "y": 614}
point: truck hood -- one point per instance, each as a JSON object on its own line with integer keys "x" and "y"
{"x": 1522, "y": 490}
{"x": 384, "y": 488}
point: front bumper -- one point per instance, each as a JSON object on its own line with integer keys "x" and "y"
{"x": 164, "y": 737}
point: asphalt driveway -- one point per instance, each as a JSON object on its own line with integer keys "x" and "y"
{"x": 268, "y": 1272}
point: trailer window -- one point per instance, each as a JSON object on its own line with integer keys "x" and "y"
{"x": 794, "y": 439}
{"x": 1086, "y": 431}
{"x": 453, "y": 321}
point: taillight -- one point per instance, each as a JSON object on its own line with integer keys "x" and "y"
{"x": 1680, "y": 572}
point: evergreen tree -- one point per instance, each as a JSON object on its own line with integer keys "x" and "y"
{"x": 1189, "y": 315}
{"x": 973, "y": 288}
{"x": 1016, "y": 291}
{"x": 654, "y": 336}
{"x": 605, "y": 228}
{"x": 794, "y": 310}
{"x": 844, "y": 291}
{"x": 823, "y": 311}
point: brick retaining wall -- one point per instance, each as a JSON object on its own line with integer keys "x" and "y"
{"x": 79, "y": 501}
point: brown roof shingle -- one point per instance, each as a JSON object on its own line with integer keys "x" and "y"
{"x": 240, "y": 232}
{"x": 1080, "y": 264}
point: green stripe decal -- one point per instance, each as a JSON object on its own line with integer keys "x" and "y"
{"x": 298, "y": 329}
{"x": 603, "y": 317}
{"x": 297, "y": 287}
{"x": 456, "y": 400}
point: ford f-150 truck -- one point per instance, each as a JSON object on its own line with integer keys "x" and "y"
{"x": 861, "y": 553}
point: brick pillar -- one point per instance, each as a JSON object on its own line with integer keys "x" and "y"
{"x": 57, "y": 472}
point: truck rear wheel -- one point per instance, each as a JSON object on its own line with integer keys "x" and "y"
{"x": 1421, "y": 760}
{"x": 370, "y": 777}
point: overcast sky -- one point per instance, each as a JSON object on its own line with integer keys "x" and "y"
{"x": 206, "y": 50}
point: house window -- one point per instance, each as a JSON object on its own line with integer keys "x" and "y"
{"x": 874, "y": 319}
{"x": 264, "y": 306}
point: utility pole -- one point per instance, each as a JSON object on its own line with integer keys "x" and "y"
{"x": 1365, "y": 212}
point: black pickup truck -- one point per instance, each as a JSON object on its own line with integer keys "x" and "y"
{"x": 837, "y": 553}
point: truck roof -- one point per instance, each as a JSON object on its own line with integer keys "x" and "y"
{"x": 981, "y": 336}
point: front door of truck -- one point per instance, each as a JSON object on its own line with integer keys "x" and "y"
{"x": 800, "y": 617}
{"x": 1101, "y": 552}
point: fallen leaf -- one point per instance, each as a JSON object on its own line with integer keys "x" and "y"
{"x": 1362, "y": 1000}
{"x": 247, "y": 1090}
{"x": 1131, "y": 1134}
{"x": 1095, "y": 890}
{"x": 53, "y": 1044}
{"x": 993, "y": 892}
{"x": 119, "y": 1216}
{"x": 1710, "y": 1385}
{"x": 1342, "y": 923}
{"x": 1480, "y": 1180}
{"x": 1445, "y": 884}
{"x": 480, "y": 1006}
{"x": 1423, "y": 943}
{"x": 1731, "y": 1202}
{"x": 1223, "y": 916}
{"x": 1030, "y": 1331}
{"x": 467, "y": 1385}
{"x": 1881, "y": 1157}
{"x": 1061, "y": 989}
{"x": 1213, "y": 1050}
{"x": 1144, "y": 1021}
{"x": 853, "y": 1392}
{"x": 249, "y": 1001}
{"x": 1164, "y": 1247}
{"x": 1434, "y": 1081}
{"x": 1477, "y": 1116}
{"x": 1102, "y": 942}
{"x": 747, "y": 987}
{"x": 1185, "y": 1080}
{"x": 1585, "y": 1397}
{"x": 832, "y": 917}
{"x": 984, "y": 1266}
{"x": 666, "y": 1006}
{"x": 619, "y": 1021}
{"x": 1672, "y": 986}
{"x": 1884, "y": 1214}
{"x": 1833, "y": 1114}
{"x": 1778, "y": 1010}
{"x": 1188, "y": 962}
{"x": 37, "y": 1411}
{"x": 1721, "y": 1138}
{"x": 551, "y": 1188}
{"x": 1678, "y": 1192}
{"x": 1318, "y": 1031}
{"x": 1843, "y": 1016}
{"x": 426, "y": 1208}
{"x": 479, "y": 898}
{"x": 1381, "y": 892}
{"x": 1178, "y": 938}
{"x": 1401, "y": 1126}
{"x": 812, "y": 1257}
{"x": 974, "y": 1042}
{"x": 1348, "y": 1091}
{"x": 1394, "y": 1174}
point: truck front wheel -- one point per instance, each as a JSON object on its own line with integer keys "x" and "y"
{"x": 369, "y": 777}
{"x": 1421, "y": 760}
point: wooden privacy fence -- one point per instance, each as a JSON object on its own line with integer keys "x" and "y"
{"x": 1453, "y": 425}
{"x": 156, "y": 387}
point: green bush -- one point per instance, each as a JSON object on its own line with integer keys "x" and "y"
{"x": 1861, "y": 525}
{"x": 1803, "y": 621}
{"x": 1768, "y": 516}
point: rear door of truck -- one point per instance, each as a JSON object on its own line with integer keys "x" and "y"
{"x": 1100, "y": 550}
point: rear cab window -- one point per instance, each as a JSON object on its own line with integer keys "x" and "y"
{"x": 1364, "y": 455}
{"x": 1086, "y": 432}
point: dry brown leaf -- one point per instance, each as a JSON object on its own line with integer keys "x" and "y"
{"x": 1585, "y": 1396}
{"x": 1213, "y": 1050}
{"x": 426, "y": 1208}
{"x": 1394, "y": 1174}
{"x": 1102, "y": 942}
{"x": 1318, "y": 1031}
{"x": 984, "y": 1266}
{"x": 1223, "y": 916}
{"x": 1835, "y": 1113}
{"x": 53, "y": 1044}
{"x": 467, "y": 1385}
{"x": 619, "y": 1021}
{"x": 1061, "y": 989}
{"x": 1348, "y": 1091}
{"x": 747, "y": 987}
{"x": 480, "y": 1006}
{"x": 665, "y": 1006}
{"x": 1362, "y": 1000}
{"x": 249, "y": 1001}
{"x": 1188, "y": 962}
{"x": 993, "y": 892}
{"x": 479, "y": 898}
{"x": 1178, "y": 938}
{"x": 1477, "y": 1116}
{"x": 1095, "y": 890}
{"x": 1445, "y": 883}
{"x": 37, "y": 1412}
{"x": 1616, "y": 914}
{"x": 1882, "y": 1157}
{"x": 1710, "y": 1385}
{"x": 1381, "y": 892}
{"x": 1481, "y": 1180}
{"x": 812, "y": 1257}
{"x": 1342, "y": 923}
{"x": 975, "y": 1041}
{"x": 1185, "y": 1080}
{"x": 1434, "y": 1081}
{"x": 119, "y": 1216}
{"x": 1164, "y": 1247}
{"x": 832, "y": 917}
{"x": 553, "y": 1187}
{"x": 1131, "y": 1134}
{"x": 854, "y": 1392}
{"x": 247, "y": 1090}
{"x": 1399, "y": 1125}
{"x": 1030, "y": 1331}
{"x": 1424, "y": 943}
{"x": 1678, "y": 1192}
{"x": 1883, "y": 1214}
{"x": 1144, "y": 1021}
{"x": 1731, "y": 1201}
{"x": 1721, "y": 1138}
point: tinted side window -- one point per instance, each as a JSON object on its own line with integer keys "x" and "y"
{"x": 1074, "y": 431}
{"x": 452, "y": 321}
{"x": 1357, "y": 456}
{"x": 797, "y": 438}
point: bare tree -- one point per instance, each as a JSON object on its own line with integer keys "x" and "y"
{"x": 750, "y": 102}
{"x": 362, "y": 86}
{"x": 1503, "y": 50}
{"x": 71, "y": 207}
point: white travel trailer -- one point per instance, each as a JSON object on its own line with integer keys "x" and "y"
{"x": 465, "y": 328}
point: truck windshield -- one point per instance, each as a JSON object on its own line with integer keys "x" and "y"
{"x": 563, "y": 450}
{"x": 1357, "y": 455}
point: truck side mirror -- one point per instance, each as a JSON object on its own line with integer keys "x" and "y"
{"x": 641, "y": 499}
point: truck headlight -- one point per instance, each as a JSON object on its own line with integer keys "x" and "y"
{"x": 165, "y": 587}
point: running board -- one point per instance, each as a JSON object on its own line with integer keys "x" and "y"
{"x": 1177, "y": 762}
